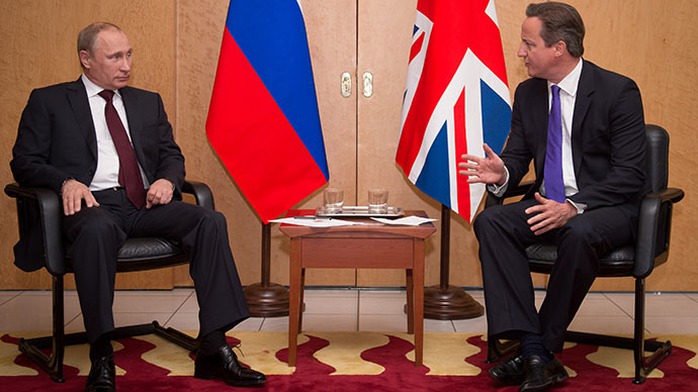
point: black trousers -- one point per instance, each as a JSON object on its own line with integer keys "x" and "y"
{"x": 96, "y": 234}
{"x": 504, "y": 235}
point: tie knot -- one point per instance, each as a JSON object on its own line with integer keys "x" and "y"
{"x": 554, "y": 88}
{"x": 106, "y": 94}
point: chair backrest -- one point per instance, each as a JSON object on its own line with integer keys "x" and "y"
{"x": 657, "y": 157}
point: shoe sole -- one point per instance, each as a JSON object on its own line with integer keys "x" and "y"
{"x": 560, "y": 378}
{"x": 506, "y": 380}
{"x": 553, "y": 381}
{"x": 214, "y": 376}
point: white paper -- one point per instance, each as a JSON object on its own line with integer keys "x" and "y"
{"x": 406, "y": 221}
{"x": 316, "y": 222}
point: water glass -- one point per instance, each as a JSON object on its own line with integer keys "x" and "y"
{"x": 333, "y": 200}
{"x": 378, "y": 201}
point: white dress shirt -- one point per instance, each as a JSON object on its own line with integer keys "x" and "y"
{"x": 107, "y": 173}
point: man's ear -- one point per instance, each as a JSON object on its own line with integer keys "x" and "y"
{"x": 84, "y": 58}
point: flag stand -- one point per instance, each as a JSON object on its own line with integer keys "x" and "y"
{"x": 446, "y": 302}
{"x": 267, "y": 299}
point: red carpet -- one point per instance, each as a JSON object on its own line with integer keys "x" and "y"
{"x": 359, "y": 361}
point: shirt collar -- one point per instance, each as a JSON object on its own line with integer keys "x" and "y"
{"x": 92, "y": 88}
{"x": 570, "y": 83}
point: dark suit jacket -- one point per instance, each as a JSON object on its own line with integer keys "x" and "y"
{"x": 608, "y": 139}
{"x": 56, "y": 140}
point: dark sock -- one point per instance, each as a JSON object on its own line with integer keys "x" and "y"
{"x": 212, "y": 342}
{"x": 101, "y": 347}
{"x": 532, "y": 344}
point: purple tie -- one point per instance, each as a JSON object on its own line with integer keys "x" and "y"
{"x": 554, "y": 185}
{"x": 129, "y": 173}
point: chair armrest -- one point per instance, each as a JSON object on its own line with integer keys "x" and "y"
{"x": 654, "y": 230}
{"x": 48, "y": 204}
{"x": 41, "y": 208}
{"x": 202, "y": 193}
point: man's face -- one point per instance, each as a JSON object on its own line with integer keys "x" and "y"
{"x": 538, "y": 58}
{"x": 108, "y": 65}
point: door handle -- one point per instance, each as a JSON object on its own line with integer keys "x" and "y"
{"x": 368, "y": 84}
{"x": 345, "y": 83}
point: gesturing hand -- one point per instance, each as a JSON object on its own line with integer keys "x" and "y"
{"x": 488, "y": 170}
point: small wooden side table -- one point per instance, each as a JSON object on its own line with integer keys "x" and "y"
{"x": 358, "y": 246}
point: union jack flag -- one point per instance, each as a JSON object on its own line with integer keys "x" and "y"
{"x": 457, "y": 97}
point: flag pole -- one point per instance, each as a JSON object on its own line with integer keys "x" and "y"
{"x": 443, "y": 301}
{"x": 267, "y": 299}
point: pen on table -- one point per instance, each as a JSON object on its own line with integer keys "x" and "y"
{"x": 311, "y": 217}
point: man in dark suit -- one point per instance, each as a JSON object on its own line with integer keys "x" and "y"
{"x": 66, "y": 142}
{"x": 585, "y": 198}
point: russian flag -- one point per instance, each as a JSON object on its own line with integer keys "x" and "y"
{"x": 263, "y": 120}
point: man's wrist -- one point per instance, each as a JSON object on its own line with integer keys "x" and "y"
{"x": 67, "y": 179}
{"x": 578, "y": 207}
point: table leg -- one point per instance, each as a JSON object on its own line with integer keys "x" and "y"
{"x": 409, "y": 285}
{"x": 301, "y": 306}
{"x": 294, "y": 300}
{"x": 418, "y": 272}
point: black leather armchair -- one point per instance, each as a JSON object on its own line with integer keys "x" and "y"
{"x": 137, "y": 254}
{"x": 638, "y": 260}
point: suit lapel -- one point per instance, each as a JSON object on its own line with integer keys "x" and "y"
{"x": 584, "y": 94}
{"x": 77, "y": 96}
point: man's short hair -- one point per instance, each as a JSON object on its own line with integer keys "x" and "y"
{"x": 561, "y": 22}
{"x": 88, "y": 36}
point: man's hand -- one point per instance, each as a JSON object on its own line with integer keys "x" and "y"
{"x": 73, "y": 193}
{"x": 160, "y": 192}
{"x": 489, "y": 170}
{"x": 549, "y": 215}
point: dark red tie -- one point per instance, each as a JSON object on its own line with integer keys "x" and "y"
{"x": 129, "y": 173}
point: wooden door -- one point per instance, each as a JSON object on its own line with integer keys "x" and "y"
{"x": 384, "y": 37}
{"x": 369, "y": 40}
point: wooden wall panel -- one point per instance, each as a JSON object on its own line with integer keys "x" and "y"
{"x": 39, "y": 40}
{"x": 176, "y": 46}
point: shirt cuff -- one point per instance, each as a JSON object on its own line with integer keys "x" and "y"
{"x": 499, "y": 190}
{"x": 579, "y": 206}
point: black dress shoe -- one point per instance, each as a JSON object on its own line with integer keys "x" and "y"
{"x": 102, "y": 376}
{"x": 539, "y": 376}
{"x": 509, "y": 371}
{"x": 224, "y": 366}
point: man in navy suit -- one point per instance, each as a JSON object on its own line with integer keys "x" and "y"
{"x": 600, "y": 187}
{"x": 64, "y": 143}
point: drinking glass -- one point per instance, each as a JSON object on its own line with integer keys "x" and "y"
{"x": 378, "y": 201}
{"x": 333, "y": 200}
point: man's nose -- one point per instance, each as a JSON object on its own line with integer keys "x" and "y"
{"x": 522, "y": 51}
{"x": 126, "y": 64}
